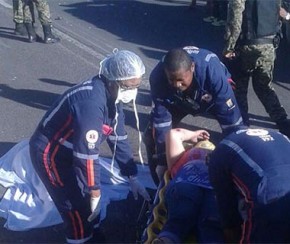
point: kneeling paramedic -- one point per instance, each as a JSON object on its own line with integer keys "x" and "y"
{"x": 187, "y": 81}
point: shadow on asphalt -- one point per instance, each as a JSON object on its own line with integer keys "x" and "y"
{"x": 160, "y": 24}
{"x": 33, "y": 98}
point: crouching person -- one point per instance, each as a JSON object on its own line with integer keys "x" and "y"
{"x": 251, "y": 183}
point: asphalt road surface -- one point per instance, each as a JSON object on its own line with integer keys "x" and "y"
{"x": 32, "y": 75}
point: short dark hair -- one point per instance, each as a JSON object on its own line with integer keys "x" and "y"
{"x": 177, "y": 59}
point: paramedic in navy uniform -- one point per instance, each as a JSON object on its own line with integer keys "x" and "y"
{"x": 192, "y": 81}
{"x": 65, "y": 146}
{"x": 249, "y": 170}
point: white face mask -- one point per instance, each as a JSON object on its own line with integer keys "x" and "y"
{"x": 126, "y": 95}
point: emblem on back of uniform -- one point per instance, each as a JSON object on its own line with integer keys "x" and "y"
{"x": 261, "y": 133}
{"x": 257, "y": 132}
{"x": 191, "y": 49}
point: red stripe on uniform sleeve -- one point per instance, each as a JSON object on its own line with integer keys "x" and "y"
{"x": 90, "y": 172}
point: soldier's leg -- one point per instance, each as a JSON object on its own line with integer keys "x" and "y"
{"x": 43, "y": 11}
{"x": 262, "y": 83}
{"x": 240, "y": 71}
{"x": 241, "y": 94}
{"x": 31, "y": 8}
{"x": 26, "y": 11}
{"x": 17, "y": 11}
{"x": 45, "y": 20}
{"x": 28, "y": 21}
{"x": 18, "y": 18}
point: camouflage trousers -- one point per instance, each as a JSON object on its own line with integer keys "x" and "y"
{"x": 18, "y": 15}
{"x": 23, "y": 11}
{"x": 257, "y": 62}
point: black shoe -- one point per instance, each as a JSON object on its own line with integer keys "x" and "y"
{"x": 20, "y": 29}
{"x": 284, "y": 127}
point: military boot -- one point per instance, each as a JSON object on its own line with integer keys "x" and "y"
{"x": 20, "y": 29}
{"x": 31, "y": 32}
{"x": 48, "y": 36}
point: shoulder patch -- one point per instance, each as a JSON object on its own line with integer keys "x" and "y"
{"x": 92, "y": 136}
{"x": 229, "y": 103}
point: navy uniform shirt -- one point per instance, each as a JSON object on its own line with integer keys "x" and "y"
{"x": 75, "y": 126}
{"x": 212, "y": 93}
{"x": 249, "y": 166}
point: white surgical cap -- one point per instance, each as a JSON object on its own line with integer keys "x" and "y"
{"x": 122, "y": 65}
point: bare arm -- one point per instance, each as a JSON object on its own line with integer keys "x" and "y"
{"x": 174, "y": 142}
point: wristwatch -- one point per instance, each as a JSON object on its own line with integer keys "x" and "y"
{"x": 287, "y": 17}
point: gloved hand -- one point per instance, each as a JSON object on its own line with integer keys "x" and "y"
{"x": 95, "y": 208}
{"x": 137, "y": 187}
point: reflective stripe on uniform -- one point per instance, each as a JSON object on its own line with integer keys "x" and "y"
{"x": 244, "y": 156}
{"x": 119, "y": 138}
{"x": 65, "y": 143}
{"x": 240, "y": 120}
{"x": 162, "y": 125}
{"x": 85, "y": 156}
{"x": 63, "y": 100}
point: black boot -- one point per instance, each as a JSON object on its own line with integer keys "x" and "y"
{"x": 31, "y": 32}
{"x": 20, "y": 29}
{"x": 48, "y": 36}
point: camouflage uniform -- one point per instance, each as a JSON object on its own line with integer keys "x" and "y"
{"x": 256, "y": 61}
{"x": 18, "y": 14}
{"x": 18, "y": 11}
{"x": 42, "y": 9}
{"x": 44, "y": 18}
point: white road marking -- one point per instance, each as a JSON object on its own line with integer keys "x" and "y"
{"x": 6, "y": 5}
